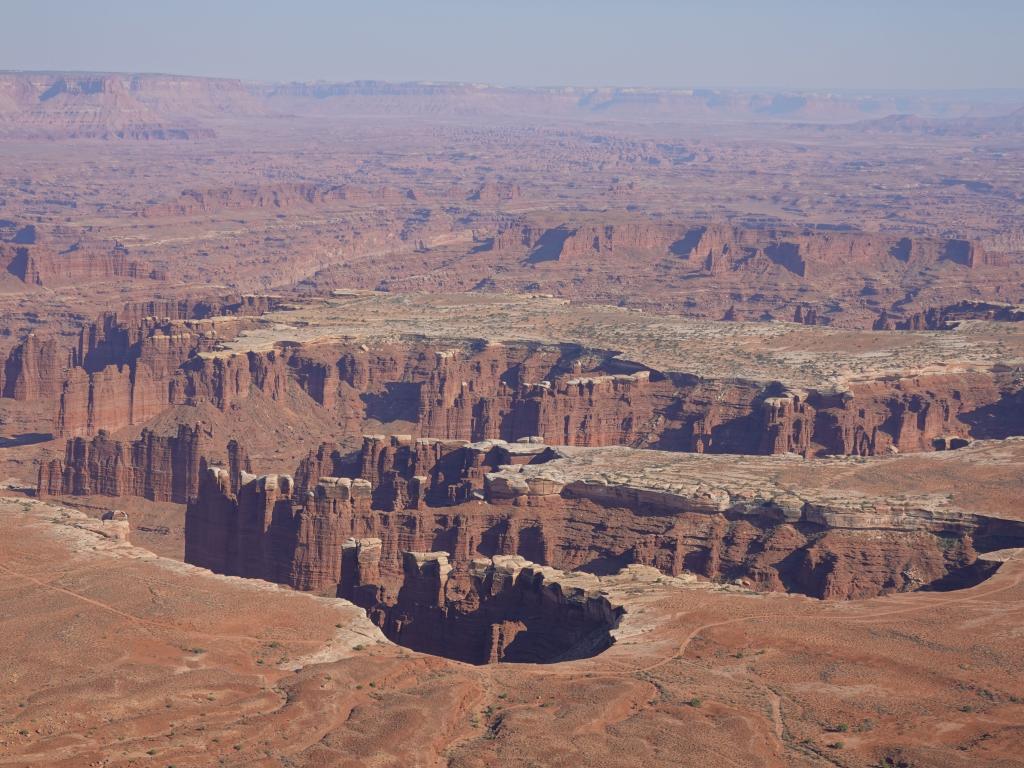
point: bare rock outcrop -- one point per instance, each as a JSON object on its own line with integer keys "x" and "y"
{"x": 456, "y": 401}
{"x": 944, "y": 318}
{"x": 61, "y": 256}
{"x": 503, "y": 608}
{"x": 597, "y": 510}
{"x": 155, "y": 467}
{"x": 118, "y": 371}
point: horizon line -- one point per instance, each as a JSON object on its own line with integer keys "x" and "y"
{"x": 547, "y": 87}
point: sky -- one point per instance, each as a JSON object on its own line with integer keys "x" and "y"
{"x": 809, "y": 44}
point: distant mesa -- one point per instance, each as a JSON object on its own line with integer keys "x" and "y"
{"x": 156, "y": 107}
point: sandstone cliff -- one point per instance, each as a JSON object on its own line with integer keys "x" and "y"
{"x": 81, "y": 105}
{"x": 562, "y": 513}
{"x": 196, "y": 202}
{"x": 944, "y": 318}
{"x": 497, "y": 609}
{"x": 60, "y": 255}
{"x": 569, "y": 396}
{"x": 158, "y": 468}
{"x": 510, "y": 392}
{"x": 120, "y": 370}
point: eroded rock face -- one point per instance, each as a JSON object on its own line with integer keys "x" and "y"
{"x": 119, "y": 369}
{"x": 112, "y": 106}
{"x": 944, "y": 318}
{"x": 316, "y": 517}
{"x": 128, "y": 370}
{"x": 35, "y": 370}
{"x": 259, "y": 543}
{"x": 503, "y": 608}
{"x": 496, "y": 392}
{"x": 62, "y": 256}
{"x": 835, "y": 546}
{"x": 128, "y": 375}
{"x": 155, "y": 467}
{"x": 875, "y": 418}
{"x": 512, "y": 391}
{"x": 723, "y": 248}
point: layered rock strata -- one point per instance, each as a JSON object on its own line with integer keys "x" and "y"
{"x": 503, "y": 608}
{"x": 726, "y": 523}
{"x": 63, "y": 256}
{"x": 893, "y": 396}
{"x": 511, "y": 391}
{"x": 155, "y": 467}
{"x": 121, "y": 369}
{"x": 723, "y": 247}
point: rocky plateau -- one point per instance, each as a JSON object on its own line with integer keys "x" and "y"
{"x": 457, "y": 425}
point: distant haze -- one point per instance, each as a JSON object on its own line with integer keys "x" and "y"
{"x": 813, "y": 44}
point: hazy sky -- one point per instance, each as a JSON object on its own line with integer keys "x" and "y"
{"x": 780, "y": 43}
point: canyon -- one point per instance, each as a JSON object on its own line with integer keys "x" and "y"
{"x": 479, "y": 375}
{"x": 456, "y": 424}
{"x": 712, "y": 516}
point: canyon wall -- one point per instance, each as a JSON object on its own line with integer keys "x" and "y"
{"x": 754, "y": 271}
{"x": 496, "y": 393}
{"x": 142, "y": 107}
{"x": 503, "y": 608}
{"x": 945, "y": 318}
{"x": 830, "y": 548}
{"x": 61, "y": 255}
{"x": 511, "y": 392}
{"x": 720, "y": 247}
{"x": 35, "y": 369}
{"x": 119, "y": 369}
{"x": 155, "y": 467}
{"x": 197, "y": 202}
{"x": 567, "y": 396}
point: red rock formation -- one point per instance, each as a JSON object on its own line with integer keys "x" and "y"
{"x": 263, "y": 541}
{"x": 494, "y": 192}
{"x": 267, "y": 531}
{"x": 615, "y": 238}
{"x": 239, "y": 465}
{"x": 788, "y": 424}
{"x": 505, "y": 609}
{"x": 156, "y": 335}
{"x": 60, "y": 256}
{"x": 42, "y": 105}
{"x": 109, "y": 339}
{"x": 512, "y": 391}
{"x": 800, "y": 250}
{"x": 761, "y": 272}
{"x": 194, "y": 202}
{"x": 35, "y": 369}
{"x": 130, "y": 373}
{"x": 907, "y": 414}
{"x": 326, "y": 461}
{"x": 808, "y": 316}
{"x": 155, "y": 467}
{"x": 945, "y": 318}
